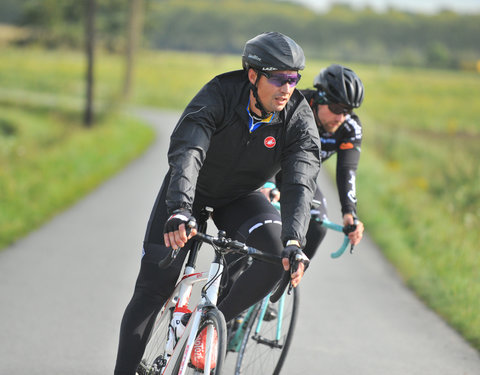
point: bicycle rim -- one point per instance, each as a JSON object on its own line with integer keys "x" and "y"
{"x": 154, "y": 359}
{"x": 213, "y": 318}
{"x": 261, "y": 353}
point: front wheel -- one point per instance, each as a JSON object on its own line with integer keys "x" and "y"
{"x": 214, "y": 328}
{"x": 267, "y": 339}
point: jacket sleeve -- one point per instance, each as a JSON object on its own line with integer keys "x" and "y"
{"x": 347, "y": 163}
{"x": 189, "y": 143}
{"x": 300, "y": 167}
{"x": 275, "y": 180}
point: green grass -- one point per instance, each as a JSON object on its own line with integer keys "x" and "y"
{"x": 48, "y": 161}
{"x": 418, "y": 185}
{"x": 418, "y": 180}
{"x": 171, "y": 79}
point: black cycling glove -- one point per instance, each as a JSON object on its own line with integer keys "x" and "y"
{"x": 295, "y": 256}
{"x": 179, "y": 217}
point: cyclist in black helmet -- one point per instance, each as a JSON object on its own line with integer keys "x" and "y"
{"x": 238, "y": 131}
{"x": 338, "y": 90}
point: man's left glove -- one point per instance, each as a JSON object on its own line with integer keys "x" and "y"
{"x": 178, "y": 217}
{"x": 295, "y": 255}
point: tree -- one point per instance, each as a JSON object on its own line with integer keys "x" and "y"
{"x": 438, "y": 55}
{"x": 134, "y": 32}
{"x": 90, "y": 7}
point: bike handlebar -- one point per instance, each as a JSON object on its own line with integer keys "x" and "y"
{"x": 331, "y": 225}
{"x": 228, "y": 244}
{"x": 285, "y": 281}
{"x": 346, "y": 229}
{"x": 238, "y": 247}
{"x": 168, "y": 260}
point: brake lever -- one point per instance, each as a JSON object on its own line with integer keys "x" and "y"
{"x": 348, "y": 229}
{"x": 294, "y": 264}
{"x": 290, "y": 285}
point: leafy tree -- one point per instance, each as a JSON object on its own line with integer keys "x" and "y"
{"x": 134, "y": 31}
{"x": 90, "y": 10}
{"x": 10, "y": 11}
{"x": 438, "y": 55}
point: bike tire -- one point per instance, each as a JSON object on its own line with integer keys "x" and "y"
{"x": 153, "y": 358}
{"x": 212, "y": 317}
{"x": 258, "y": 353}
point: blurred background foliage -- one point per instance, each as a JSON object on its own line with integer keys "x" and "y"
{"x": 442, "y": 40}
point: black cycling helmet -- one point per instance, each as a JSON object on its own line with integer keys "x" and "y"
{"x": 269, "y": 52}
{"x": 339, "y": 84}
{"x": 272, "y": 51}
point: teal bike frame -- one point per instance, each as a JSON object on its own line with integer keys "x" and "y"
{"x": 236, "y": 340}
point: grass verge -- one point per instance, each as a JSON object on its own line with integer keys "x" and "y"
{"x": 47, "y": 161}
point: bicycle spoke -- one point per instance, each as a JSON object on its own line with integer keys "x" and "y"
{"x": 154, "y": 358}
{"x": 265, "y": 347}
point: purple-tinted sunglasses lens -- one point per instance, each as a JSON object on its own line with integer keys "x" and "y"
{"x": 279, "y": 79}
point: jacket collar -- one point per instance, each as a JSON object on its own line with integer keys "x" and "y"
{"x": 244, "y": 116}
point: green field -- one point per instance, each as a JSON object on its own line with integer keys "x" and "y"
{"x": 419, "y": 186}
{"x": 418, "y": 180}
{"x": 48, "y": 160}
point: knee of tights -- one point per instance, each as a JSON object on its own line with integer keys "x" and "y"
{"x": 265, "y": 275}
{"x": 153, "y": 283}
{"x": 266, "y": 238}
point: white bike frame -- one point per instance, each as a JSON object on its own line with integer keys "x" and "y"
{"x": 181, "y": 297}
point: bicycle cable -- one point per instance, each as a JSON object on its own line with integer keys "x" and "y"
{"x": 229, "y": 266}
{"x": 218, "y": 273}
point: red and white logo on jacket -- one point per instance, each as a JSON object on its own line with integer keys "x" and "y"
{"x": 270, "y": 142}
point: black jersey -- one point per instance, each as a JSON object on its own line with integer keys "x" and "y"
{"x": 346, "y": 142}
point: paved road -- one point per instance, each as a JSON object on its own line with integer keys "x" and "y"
{"x": 64, "y": 287}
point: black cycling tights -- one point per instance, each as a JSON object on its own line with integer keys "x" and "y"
{"x": 315, "y": 235}
{"x": 138, "y": 320}
{"x": 255, "y": 282}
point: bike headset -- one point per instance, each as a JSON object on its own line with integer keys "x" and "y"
{"x": 268, "y": 52}
{"x": 338, "y": 84}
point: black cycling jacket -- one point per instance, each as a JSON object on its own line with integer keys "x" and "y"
{"x": 346, "y": 142}
{"x": 212, "y": 152}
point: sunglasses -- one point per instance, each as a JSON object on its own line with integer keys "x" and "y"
{"x": 339, "y": 109}
{"x": 279, "y": 79}
{"x": 336, "y": 108}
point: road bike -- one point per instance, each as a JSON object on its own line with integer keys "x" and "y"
{"x": 170, "y": 347}
{"x": 179, "y": 324}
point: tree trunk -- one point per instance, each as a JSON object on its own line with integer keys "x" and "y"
{"x": 90, "y": 50}
{"x": 134, "y": 32}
